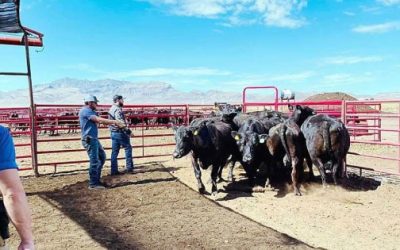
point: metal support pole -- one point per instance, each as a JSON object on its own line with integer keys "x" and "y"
{"x": 343, "y": 118}
{"x": 187, "y": 115}
{"x": 32, "y": 110}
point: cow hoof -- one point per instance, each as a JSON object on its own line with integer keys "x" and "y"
{"x": 258, "y": 189}
{"x": 297, "y": 193}
{"x": 269, "y": 188}
{"x": 202, "y": 190}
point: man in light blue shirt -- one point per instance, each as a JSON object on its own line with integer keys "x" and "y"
{"x": 88, "y": 120}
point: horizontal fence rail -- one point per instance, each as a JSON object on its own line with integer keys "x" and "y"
{"x": 380, "y": 128}
{"x": 59, "y": 141}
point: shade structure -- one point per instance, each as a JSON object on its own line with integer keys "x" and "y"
{"x": 13, "y": 33}
{"x": 11, "y": 30}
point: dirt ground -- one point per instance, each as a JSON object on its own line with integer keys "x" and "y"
{"x": 360, "y": 214}
{"x": 153, "y": 210}
{"x": 147, "y": 210}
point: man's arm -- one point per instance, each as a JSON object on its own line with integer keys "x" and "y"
{"x": 17, "y": 207}
{"x": 98, "y": 119}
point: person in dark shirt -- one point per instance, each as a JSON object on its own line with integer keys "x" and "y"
{"x": 120, "y": 137}
{"x": 88, "y": 120}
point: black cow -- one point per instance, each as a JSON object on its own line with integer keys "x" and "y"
{"x": 328, "y": 143}
{"x": 163, "y": 118}
{"x": 137, "y": 117}
{"x": 294, "y": 144}
{"x": 68, "y": 120}
{"x": 195, "y": 115}
{"x": 211, "y": 144}
{"x": 267, "y": 114}
{"x": 255, "y": 158}
{"x": 227, "y": 119}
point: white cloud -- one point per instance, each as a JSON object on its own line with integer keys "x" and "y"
{"x": 341, "y": 79}
{"x": 170, "y": 72}
{"x": 389, "y": 2}
{"x": 375, "y": 10}
{"x": 265, "y": 79}
{"x": 352, "y": 59}
{"x": 293, "y": 77}
{"x": 378, "y": 28}
{"x": 278, "y": 13}
{"x": 349, "y": 13}
{"x": 82, "y": 67}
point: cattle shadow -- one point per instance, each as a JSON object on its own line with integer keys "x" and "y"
{"x": 282, "y": 185}
{"x": 238, "y": 188}
{"x": 354, "y": 182}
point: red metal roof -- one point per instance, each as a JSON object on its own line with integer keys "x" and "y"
{"x": 10, "y": 26}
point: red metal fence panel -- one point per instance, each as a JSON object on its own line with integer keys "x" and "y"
{"x": 375, "y": 129}
{"x": 151, "y": 125}
{"x": 19, "y": 123}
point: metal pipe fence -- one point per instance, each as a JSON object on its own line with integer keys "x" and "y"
{"x": 59, "y": 143}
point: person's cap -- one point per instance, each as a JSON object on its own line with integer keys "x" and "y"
{"x": 91, "y": 98}
{"x": 117, "y": 97}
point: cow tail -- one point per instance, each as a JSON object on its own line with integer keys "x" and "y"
{"x": 327, "y": 140}
{"x": 284, "y": 142}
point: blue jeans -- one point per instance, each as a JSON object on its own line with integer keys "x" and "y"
{"x": 121, "y": 140}
{"x": 97, "y": 158}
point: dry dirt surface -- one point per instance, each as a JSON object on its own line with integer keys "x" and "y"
{"x": 153, "y": 210}
{"x": 147, "y": 210}
{"x": 331, "y": 96}
{"x": 359, "y": 214}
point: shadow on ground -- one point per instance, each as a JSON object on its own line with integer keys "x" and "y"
{"x": 281, "y": 184}
{"x": 152, "y": 210}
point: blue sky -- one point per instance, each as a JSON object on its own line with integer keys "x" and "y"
{"x": 315, "y": 45}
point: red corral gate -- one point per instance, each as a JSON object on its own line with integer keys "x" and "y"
{"x": 58, "y": 133}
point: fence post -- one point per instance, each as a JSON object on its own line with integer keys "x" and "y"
{"x": 343, "y": 112}
{"x": 187, "y": 115}
{"x": 343, "y": 118}
{"x": 32, "y": 109}
{"x": 34, "y": 140}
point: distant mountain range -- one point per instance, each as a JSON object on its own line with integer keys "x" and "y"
{"x": 72, "y": 91}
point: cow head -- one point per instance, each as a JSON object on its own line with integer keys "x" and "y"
{"x": 301, "y": 113}
{"x": 248, "y": 143}
{"x": 228, "y": 117}
{"x": 184, "y": 141}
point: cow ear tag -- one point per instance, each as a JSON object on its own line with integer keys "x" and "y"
{"x": 262, "y": 140}
{"x": 196, "y": 132}
{"x": 237, "y": 138}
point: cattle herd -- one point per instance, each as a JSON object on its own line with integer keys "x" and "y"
{"x": 267, "y": 144}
